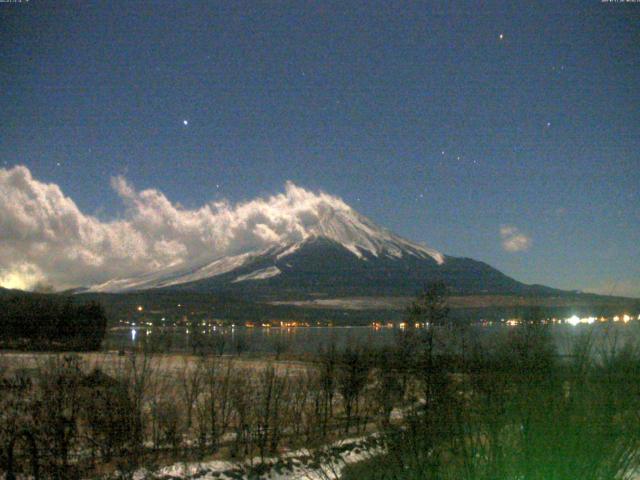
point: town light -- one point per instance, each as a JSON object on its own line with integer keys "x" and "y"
{"x": 573, "y": 320}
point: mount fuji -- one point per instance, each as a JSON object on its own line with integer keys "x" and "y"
{"x": 341, "y": 254}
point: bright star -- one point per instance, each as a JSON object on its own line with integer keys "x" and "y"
{"x": 185, "y": 122}
{"x": 501, "y": 36}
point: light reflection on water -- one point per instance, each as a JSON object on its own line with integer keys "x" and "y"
{"x": 310, "y": 339}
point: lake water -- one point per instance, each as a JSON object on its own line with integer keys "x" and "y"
{"x": 311, "y": 339}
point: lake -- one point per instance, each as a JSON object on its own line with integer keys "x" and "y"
{"x": 310, "y": 339}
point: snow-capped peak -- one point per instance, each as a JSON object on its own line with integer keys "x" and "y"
{"x": 358, "y": 234}
{"x": 338, "y": 223}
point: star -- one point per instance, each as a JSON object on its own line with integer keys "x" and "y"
{"x": 501, "y": 36}
{"x": 185, "y": 123}
{"x": 57, "y": 164}
{"x": 548, "y": 124}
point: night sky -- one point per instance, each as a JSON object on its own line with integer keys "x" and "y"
{"x": 505, "y": 132}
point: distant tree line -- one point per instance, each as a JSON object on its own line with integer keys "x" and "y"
{"x": 50, "y": 322}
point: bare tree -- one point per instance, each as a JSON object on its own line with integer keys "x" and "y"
{"x": 58, "y": 410}
{"x": 191, "y": 379}
{"x": 137, "y": 372}
{"x": 106, "y": 414}
{"x": 388, "y": 390}
{"x": 241, "y": 403}
{"x": 328, "y": 384}
{"x": 214, "y": 406}
{"x": 353, "y": 372}
{"x": 270, "y": 409}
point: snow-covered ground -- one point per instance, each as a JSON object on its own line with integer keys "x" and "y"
{"x": 325, "y": 463}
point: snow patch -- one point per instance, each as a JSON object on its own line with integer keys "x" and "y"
{"x": 289, "y": 250}
{"x": 176, "y": 277}
{"x": 261, "y": 274}
{"x": 326, "y": 463}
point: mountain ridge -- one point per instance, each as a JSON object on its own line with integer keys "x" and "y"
{"x": 342, "y": 226}
{"x": 340, "y": 253}
{"x": 319, "y": 266}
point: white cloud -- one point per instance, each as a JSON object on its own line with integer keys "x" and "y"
{"x": 513, "y": 240}
{"x": 20, "y": 276}
{"x": 44, "y": 237}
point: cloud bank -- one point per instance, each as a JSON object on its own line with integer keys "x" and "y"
{"x": 513, "y": 240}
{"x": 45, "y": 238}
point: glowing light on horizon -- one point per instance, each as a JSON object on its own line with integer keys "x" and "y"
{"x": 573, "y": 320}
{"x": 14, "y": 282}
{"x": 22, "y": 277}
